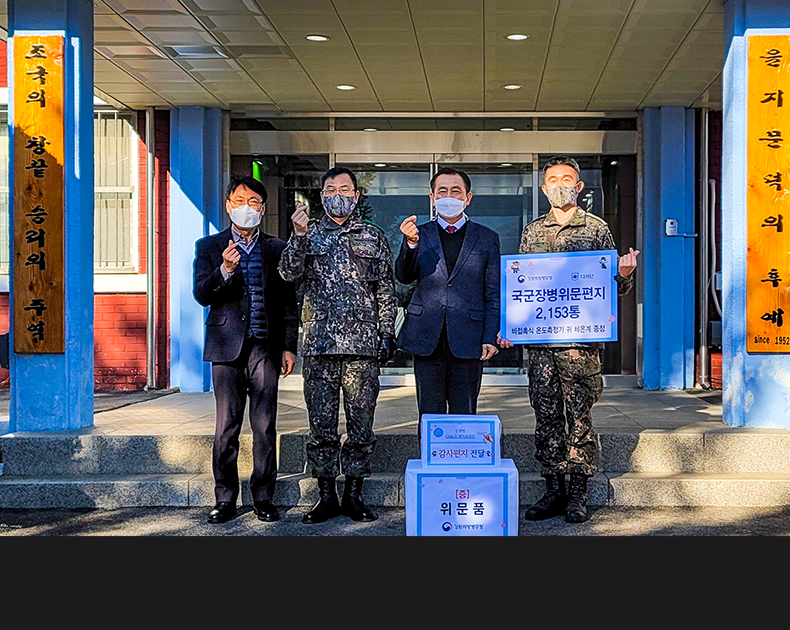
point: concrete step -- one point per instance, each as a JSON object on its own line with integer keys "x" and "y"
{"x": 723, "y": 450}
{"x": 170, "y": 490}
{"x": 69, "y": 453}
{"x": 387, "y": 489}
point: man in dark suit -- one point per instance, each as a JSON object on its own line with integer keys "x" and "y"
{"x": 251, "y": 333}
{"x": 452, "y": 319}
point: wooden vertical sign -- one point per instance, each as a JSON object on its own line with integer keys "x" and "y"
{"x": 768, "y": 195}
{"x": 39, "y": 201}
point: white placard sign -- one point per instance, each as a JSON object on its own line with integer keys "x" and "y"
{"x": 559, "y": 297}
{"x": 457, "y": 439}
{"x": 461, "y": 501}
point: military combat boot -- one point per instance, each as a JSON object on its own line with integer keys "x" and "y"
{"x": 352, "y": 505}
{"x": 327, "y": 506}
{"x": 552, "y": 503}
{"x": 577, "y": 499}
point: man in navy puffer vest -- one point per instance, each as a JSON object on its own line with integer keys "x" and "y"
{"x": 251, "y": 333}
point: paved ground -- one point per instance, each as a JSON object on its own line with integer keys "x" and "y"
{"x": 620, "y": 409}
{"x": 102, "y": 401}
{"x": 605, "y": 521}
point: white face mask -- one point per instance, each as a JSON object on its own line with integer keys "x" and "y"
{"x": 245, "y": 217}
{"x": 449, "y": 207}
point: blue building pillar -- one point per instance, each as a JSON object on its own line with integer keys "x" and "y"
{"x": 667, "y": 262}
{"x": 196, "y": 210}
{"x": 756, "y": 386}
{"x": 54, "y": 392}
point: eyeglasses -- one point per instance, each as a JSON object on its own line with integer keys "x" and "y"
{"x": 255, "y": 204}
{"x": 343, "y": 190}
{"x": 442, "y": 192}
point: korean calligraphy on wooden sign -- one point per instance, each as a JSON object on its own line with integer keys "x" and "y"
{"x": 39, "y": 202}
{"x": 767, "y": 207}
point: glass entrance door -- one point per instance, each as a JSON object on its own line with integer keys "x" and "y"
{"x": 502, "y": 199}
{"x": 393, "y": 188}
{"x": 506, "y": 196}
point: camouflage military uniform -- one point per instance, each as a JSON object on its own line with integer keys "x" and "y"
{"x": 346, "y": 274}
{"x": 565, "y": 379}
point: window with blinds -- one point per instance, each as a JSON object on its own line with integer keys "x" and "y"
{"x": 115, "y": 193}
{"x": 115, "y": 240}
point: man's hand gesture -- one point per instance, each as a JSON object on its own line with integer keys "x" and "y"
{"x": 230, "y": 257}
{"x": 300, "y": 219}
{"x": 409, "y": 229}
{"x": 627, "y": 263}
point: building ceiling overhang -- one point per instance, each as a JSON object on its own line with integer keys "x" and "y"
{"x": 253, "y": 56}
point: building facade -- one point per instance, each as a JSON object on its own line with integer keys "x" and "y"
{"x": 641, "y": 101}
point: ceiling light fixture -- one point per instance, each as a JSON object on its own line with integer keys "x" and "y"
{"x": 512, "y": 86}
{"x": 317, "y": 38}
{"x": 379, "y": 165}
{"x": 370, "y": 129}
{"x": 346, "y": 87}
{"x": 517, "y": 37}
{"x": 507, "y": 129}
{"x": 506, "y": 164}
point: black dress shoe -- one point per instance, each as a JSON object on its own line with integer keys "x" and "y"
{"x": 222, "y": 512}
{"x": 265, "y": 511}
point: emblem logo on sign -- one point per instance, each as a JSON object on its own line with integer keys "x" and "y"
{"x": 522, "y": 279}
{"x": 446, "y": 527}
{"x": 575, "y": 275}
{"x": 438, "y": 432}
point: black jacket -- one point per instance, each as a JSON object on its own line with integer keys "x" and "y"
{"x": 227, "y": 317}
{"x": 468, "y": 297}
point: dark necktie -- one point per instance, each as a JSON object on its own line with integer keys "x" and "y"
{"x": 451, "y": 229}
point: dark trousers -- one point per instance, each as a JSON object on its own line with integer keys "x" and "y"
{"x": 255, "y": 374}
{"x": 445, "y": 383}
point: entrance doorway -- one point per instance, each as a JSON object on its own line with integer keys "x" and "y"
{"x": 395, "y": 184}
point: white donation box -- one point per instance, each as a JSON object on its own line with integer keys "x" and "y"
{"x": 461, "y": 486}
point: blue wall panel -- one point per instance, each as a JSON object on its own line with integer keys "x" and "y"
{"x": 667, "y": 262}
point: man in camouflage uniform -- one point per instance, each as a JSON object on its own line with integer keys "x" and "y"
{"x": 565, "y": 379}
{"x": 344, "y": 267}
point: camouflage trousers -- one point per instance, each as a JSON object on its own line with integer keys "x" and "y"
{"x": 324, "y": 377}
{"x": 564, "y": 384}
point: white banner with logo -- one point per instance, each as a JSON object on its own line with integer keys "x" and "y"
{"x": 568, "y": 297}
